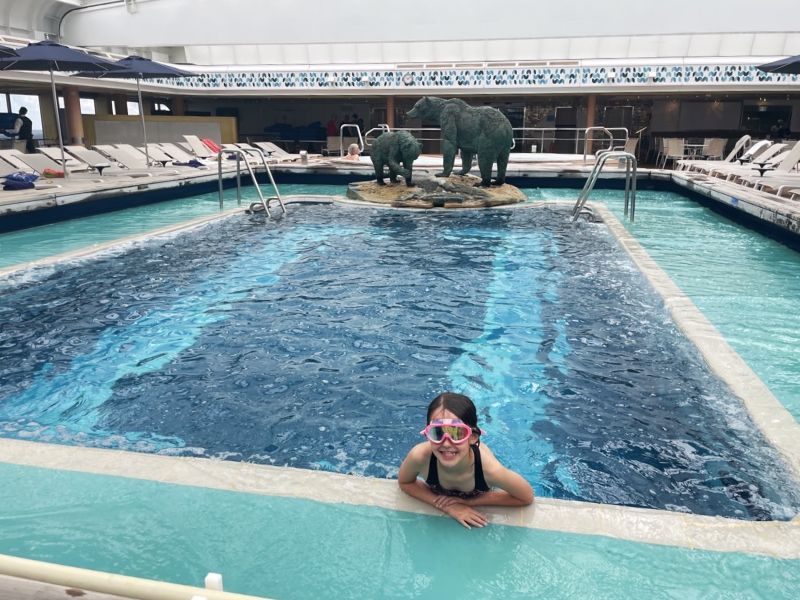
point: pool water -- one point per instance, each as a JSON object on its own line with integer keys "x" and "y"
{"x": 180, "y": 533}
{"x": 65, "y": 236}
{"x": 318, "y": 339}
{"x": 746, "y": 284}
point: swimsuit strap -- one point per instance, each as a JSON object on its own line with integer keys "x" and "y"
{"x": 480, "y": 481}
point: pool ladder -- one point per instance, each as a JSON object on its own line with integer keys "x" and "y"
{"x": 263, "y": 202}
{"x": 630, "y": 183}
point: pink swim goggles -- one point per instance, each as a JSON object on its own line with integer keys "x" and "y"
{"x": 454, "y": 430}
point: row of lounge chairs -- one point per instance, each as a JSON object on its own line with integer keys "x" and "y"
{"x": 763, "y": 165}
{"x": 127, "y": 160}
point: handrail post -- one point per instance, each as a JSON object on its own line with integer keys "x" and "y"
{"x": 219, "y": 177}
{"x": 238, "y": 180}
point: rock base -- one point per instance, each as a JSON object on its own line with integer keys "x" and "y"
{"x": 456, "y": 191}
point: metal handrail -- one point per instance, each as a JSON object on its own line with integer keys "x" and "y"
{"x": 630, "y": 182}
{"x": 382, "y": 127}
{"x": 260, "y": 153}
{"x": 341, "y": 137}
{"x": 527, "y": 134}
{"x": 239, "y": 152}
{"x": 604, "y": 130}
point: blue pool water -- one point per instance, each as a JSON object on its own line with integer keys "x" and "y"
{"x": 302, "y": 550}
{"x": 745, "y": 283}
{"x": 65, "y": 236}
{"x": 317, "y": 341}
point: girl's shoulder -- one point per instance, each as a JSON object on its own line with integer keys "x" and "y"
{"x": 489, "y": 461}
{"x": 420, "y": 453}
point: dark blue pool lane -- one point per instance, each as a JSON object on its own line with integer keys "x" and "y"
{"x": 317, "y": 341}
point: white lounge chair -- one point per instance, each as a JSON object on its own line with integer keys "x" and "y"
{"x": 72, "y": 163}
{"x": 94, "y": 160}
{"x": 769, "y": 159}
{"x": 132, "y": 160}
{"x": 741, "y": 146}
{"x": 199, "y": 149}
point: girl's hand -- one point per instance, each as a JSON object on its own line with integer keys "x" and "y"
{"x": 466, "y": 515}
{"x": 441, "y": 502}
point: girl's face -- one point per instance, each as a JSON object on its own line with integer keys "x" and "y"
{"x": 448, "y": 453}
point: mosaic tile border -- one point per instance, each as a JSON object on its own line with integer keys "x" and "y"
{"x": 511, "y": 77}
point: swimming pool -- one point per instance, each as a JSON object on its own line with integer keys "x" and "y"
{"x": 234, "y": 310}
{"x": 316, "y": 341}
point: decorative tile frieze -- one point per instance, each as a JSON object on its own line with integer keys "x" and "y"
{"x": 511, "y": 77}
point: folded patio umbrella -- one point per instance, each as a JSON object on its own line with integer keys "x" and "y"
{"x": 790, "y": 65}
{"x": 140, "y": 68}
{"x": 50, "y": 56}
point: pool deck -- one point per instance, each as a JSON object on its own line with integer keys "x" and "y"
{"x": 775, "y": 211}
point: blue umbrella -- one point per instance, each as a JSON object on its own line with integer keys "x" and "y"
{"x": 49, "y": 56}
{"x": 787, "y": 66}
{"x": 140, "y": 68}
{"x": 6, "y": 51}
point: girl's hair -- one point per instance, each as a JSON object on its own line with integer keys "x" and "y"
{"x": 458, "y": 404}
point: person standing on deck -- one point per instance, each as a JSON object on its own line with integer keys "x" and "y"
{"x": 23, "y": 131}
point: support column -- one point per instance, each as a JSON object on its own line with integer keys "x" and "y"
{"x": 390, "y": 111}
{"x": 591, "y": 115}
{"x": 179, "y": 106}
{"x": 72, "y": 108}
{"x": 120, "y": 104}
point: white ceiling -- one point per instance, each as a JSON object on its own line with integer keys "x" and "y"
{"x": 317, "y": 33}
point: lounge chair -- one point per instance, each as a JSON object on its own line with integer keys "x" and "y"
{"x": 768, "y": 159}
{"x": 6, "y": 168}
{"x": 72, "y": 163}
{"x": 175, "y": 152}
{"x": 90, "y": 158}
{"x": 706, "y": 166}
{"x": 157, "y": 154}
{"x": 36, "y": 163}
{"x": 276, "y": 152}
{"x": 740, "y": 146}
{"x": 180, "y": 157}
{"x": 131, "y": 159}
{"x": 199, "y": 149}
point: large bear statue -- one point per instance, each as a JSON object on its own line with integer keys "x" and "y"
{"x": 391, "y": 149}
{"x": 480, "y": 130}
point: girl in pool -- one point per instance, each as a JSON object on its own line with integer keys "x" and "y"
{"x": 459, "y": 473}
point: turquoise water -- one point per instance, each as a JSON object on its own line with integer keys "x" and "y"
{"x": 56, "y": 238}
{"x": 746, "y": 284}
{"x": 357, "y": 552}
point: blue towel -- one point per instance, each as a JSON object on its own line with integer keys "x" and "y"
{"x": 20, "y": 181}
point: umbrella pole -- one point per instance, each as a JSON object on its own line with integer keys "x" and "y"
{"x": 58, "y": 124}
{"x": 144, "y": 127}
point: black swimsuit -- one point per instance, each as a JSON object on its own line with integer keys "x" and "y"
{"x": 480, "y": 483}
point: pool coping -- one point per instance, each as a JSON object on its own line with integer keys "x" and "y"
{"x": 780, "y": 539}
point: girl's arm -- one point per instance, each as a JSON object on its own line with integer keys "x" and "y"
{"x": 514, "y": 489}
{"x": 412, "y": 466}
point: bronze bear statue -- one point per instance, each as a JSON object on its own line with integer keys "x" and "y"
{"x": 391, "y": 149}
{"x": 480, "y": 130}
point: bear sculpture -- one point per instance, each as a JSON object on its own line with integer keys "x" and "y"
{"x": 480, "y": 130}
{"x": 391, "y": 149}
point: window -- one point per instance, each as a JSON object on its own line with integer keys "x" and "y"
{"x": 17, "y": 101}
{"x": 87, "y": 106}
